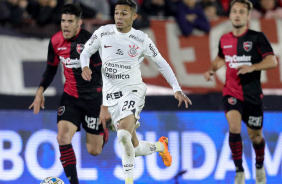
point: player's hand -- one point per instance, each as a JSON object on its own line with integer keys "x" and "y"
{"x": 104, "y": 116}
{"x": 208, "y": 75}
{"x": 243, "y": 69}
{"x": 180, "y": 96}
{"x": 38, "y": 102}
{"x": 86, "y": 73}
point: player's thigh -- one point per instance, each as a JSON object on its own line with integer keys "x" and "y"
{"x": 90, "y": 110}
{"x": 94, "y": 143}
{"x": 66, "y": 130}
{"x": 233, "y": 113}
{"x": 127, "y": 112}
{"x": 253, "y": 116}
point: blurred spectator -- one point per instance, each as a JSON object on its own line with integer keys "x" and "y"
{"x": 225, "y": 6}
{"x": 99, "y": 9}
{"x": 267, "y": 9}
{"x": 280, "y": 3}
{"x": 210, "y": 10}
{"x": 190, "y": 16}
{"x": 216, "y": 3}
{"x": 158, "y": 8}
{"x": 45, "y": 11}
{"x": 12, "y": 11}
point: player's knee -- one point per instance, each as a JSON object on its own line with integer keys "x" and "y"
{"x": 94, "y": 152}
{"x": 255, "y": 138}
{"x": 63, "y": 139}
{"x": 124, "y": 136}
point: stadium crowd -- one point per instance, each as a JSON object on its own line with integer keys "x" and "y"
{"x": 189, "y": 14}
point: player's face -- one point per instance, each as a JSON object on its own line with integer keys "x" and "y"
{"x": 239, "y": 15}
{"x": 124, "y": 18}
{"x": 70, "y": 25}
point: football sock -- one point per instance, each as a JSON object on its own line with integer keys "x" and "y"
{"x": 259, "y": 150}
{"x": 68, "y": 161}
{"x": 128, "y": 154}
{"x": 147, "y": 148}
{"x": 236, "y": 146}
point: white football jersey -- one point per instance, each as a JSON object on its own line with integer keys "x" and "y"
{"x": 121, "y": 55}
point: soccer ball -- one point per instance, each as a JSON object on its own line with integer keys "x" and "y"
{"x": 52, "y": 180}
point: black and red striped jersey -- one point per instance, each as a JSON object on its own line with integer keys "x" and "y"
{"x": 68, "y": 52}
{"x": 247, "y": 49}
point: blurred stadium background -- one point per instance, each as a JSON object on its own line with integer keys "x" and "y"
{"x": 198, "y": 136}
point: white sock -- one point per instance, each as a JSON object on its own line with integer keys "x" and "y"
{"x": 147, "y": 148}
{"x": 128, "y": 155}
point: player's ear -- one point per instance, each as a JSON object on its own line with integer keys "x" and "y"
{"x": 135, "y": 16}
{"x": 79, "y": 22}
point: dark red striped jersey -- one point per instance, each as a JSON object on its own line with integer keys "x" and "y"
{"x": 249, "y": 48}
{"x": 68, "y": 52}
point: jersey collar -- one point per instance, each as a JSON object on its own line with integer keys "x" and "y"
{"x": 122, "y": 34}
{"x": 241, "y": 34}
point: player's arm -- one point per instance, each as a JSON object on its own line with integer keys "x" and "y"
{"x": 267, "y": 63}
{"x": 47, "y": 78}
{"x": 216, "y": 64}
{"x": 91, "y": 46}
{"x": 165, "y": 69}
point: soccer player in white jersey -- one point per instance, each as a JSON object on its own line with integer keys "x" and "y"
{"x": 122, "y": 49}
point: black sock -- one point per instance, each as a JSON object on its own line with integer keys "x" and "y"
{"x": 259, "y": 149}
{"x": 236, "y": 146}
{"x": 68, "y": 161}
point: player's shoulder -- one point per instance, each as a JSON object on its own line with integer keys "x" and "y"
{"x": 138, "y": 35}
{"x": 255, "y": 33}
{"x": 57, "y": 37}
{"x": 108, "y": 27}
{"x": 85, "y": 32}
{"x": 227, "y": 35}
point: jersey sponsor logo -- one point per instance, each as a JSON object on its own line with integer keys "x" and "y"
{"x": 92, "y": 39}
{"x": 247, "y": 46}
{"x": 132, "y": 51}
{"x": 115, "y": 95}
{"x": 227, "y": 46}
{"x": 128, "y": 165}
{"x": 70, "y": 63}
{"x": 61, "y": 110}
{"x": 136, "y": 38}
{"x": 117, "y": 76}
{"x": 119, "y": 52}
{"x": 107, "y": 33}
{"x": 255, "y": 121}
{"x": 62, "y": 48}
{"x": 153, "y": 50}
{"x": 107, "y": 46}
{"x": 235, "y": 61}
{"x": 232, "y": 100}
{"x": 79, "y": 48}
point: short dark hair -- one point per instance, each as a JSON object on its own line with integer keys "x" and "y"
{"x": 246, "y": 2}
{"x": 72, "y": 9}
{"x": 130, "y": 3}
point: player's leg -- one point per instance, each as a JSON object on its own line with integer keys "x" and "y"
{"x": 68, "y": 123}
{"x": 96, "y": 136}
{"x": 143, "y": 148}
{"x": 94, "y": 144}
{"x": 254, "y": 121}
{"x": 66, "y": 130}
{"x": 125, "y": 129}
{"x": 233, "y": 115}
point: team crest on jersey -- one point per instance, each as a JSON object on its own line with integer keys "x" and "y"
{"x": 79, "y": 48}
{"x": 61, "y": 110}
{"x": 132, "y": 51}
{"x": 232, "y": 100}
{"x": 248, "y": 46}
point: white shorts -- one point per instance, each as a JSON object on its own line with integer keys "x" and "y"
{"x": 127, "y": 105}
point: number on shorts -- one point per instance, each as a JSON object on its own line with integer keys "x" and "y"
{"x": 128, "y": 104}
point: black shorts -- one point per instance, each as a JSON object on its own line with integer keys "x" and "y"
{"x": 85, "y": 111}
{"x": 252, "y": 115}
